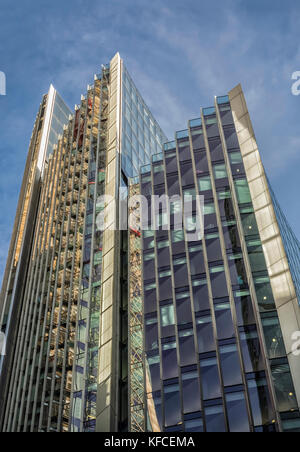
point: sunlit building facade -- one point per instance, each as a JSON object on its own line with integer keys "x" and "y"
{"x": 115, "y": 329}
{"x": 66, "y": 369}
{"x": 218, "y": 311}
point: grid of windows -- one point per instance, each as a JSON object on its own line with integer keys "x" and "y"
{"x": 142, "y": 136}
{"x": 206, "y": 339}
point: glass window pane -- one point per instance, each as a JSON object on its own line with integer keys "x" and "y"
{"x": 215, "y": 421}
{"x": 243, "y": 192}
{"x": 172, "y": 405}
{"x": 167, "y": 315}
{"x": 210, "y": 379}
{"x": 237, "y": 413}
{"x": 230, "y": 364}
{"x": 220, "y": 171}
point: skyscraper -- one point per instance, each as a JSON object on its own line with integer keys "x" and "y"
{"x": 66, "y": 362}
{"x": 112, "y": 328}
{"x": 219, "y": 311}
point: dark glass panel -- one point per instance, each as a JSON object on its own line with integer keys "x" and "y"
{"x": 191, "y": 392}
{"x": 205, "y": 335}
{"x": 244, "y": 308}
{"x": 253, "y": 359}
{"x": 213, "y": 248}
{"x": 154, "y": 403}
{"x": 201, "y": 162}
{"x": 153, "y": 362}
{"x": 187, "y": 173}
{"x": 284, "y": 388}
{"x": 218, "y": 281}
{"x": 237, "y": 413}
{"x": 183, "y": 308}
{"x": 210, "y": 379}
{"x": 260, "y": 402}
{"x": 230, "y": 365}
{"x": 224, "y": 321}
{"x": 216, "y": 151}
{"x": 169, "y": 360}
{"x": 200, "y": 293}
{"x": 273, "y": 336}
{"x": 194, "y": 425}
{"x": 215, "y": 420}
{"x": 151, "y": 332}
{"x": 172, "y": 405}
{"x": 237, "y": 269}
{"x": 165, "y": 288}
{"x": 187, "y": 347}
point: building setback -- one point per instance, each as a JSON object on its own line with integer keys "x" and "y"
{"x": 219, "y": 311}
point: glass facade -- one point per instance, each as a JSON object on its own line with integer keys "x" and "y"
{"x": 210, "y": 321}
{"x": 141, "y": 135}
{"x": 291, "y": 243}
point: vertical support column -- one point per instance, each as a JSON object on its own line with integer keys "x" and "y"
{"x": 107, "y": 395}
{"x": 277, "y": 264}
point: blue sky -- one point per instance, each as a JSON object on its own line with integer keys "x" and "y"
{"x": 179, "y": 52}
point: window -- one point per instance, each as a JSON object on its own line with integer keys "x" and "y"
{"x": 167, "y": 315}
{"x": 204, "y": 183}
{"x": 220, "y": 171}
{"x": 215, "y": 421}
{"x": 230, "y": 364}
{"x": 224, "y": 321}
{"x": 251, "y": 351}
{"x": 235, "y": 158}
{"x": 177, "y": 236}
{"x": 169, "y": 360}
{"x": 209, "y": 209}
{"x": 284, "y": 388}
{"x": 264, "y": 293}
{"x": 260, "y": 402}
{"x": 172, "y": 405}
{"x": 210, "y": 379}
{"x": 205, "y": 334}
{"x": 237, "y": 413}
{"x": 187, "y": 347}
{"x": 243, "y": 192}
{"x": 191, "y": 392}
{"x": 273, "y": 337}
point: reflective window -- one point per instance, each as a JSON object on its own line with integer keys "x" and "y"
{"x": 191, "y": 392}
{"x": 264, "y": 293}
{"x": 169, "y": 360}
{"x": 194, "y": 425}
{"x": 230, "y": 365}
{"x": 284, "y": 388}
{"x": 167, "y": 315}
{"x": 273, "y": 337}
{"x": 205, "y": 334}
{"x": 210, "y": 379}
{"x": 215, "y": 420}
{"x": 243, "y": 192}
{"x": 237, "y": 413}
{"x": 172, "y": 405}
{"x": 253, "y": 359}
{"x": 204, "y": 183}
{"x": 187, "y": 347}
{"x": 220, "y": 171}
{"x": 224, "y": 321}
{"x": 244, "y": 308}
{"x": 260, "y": 402}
